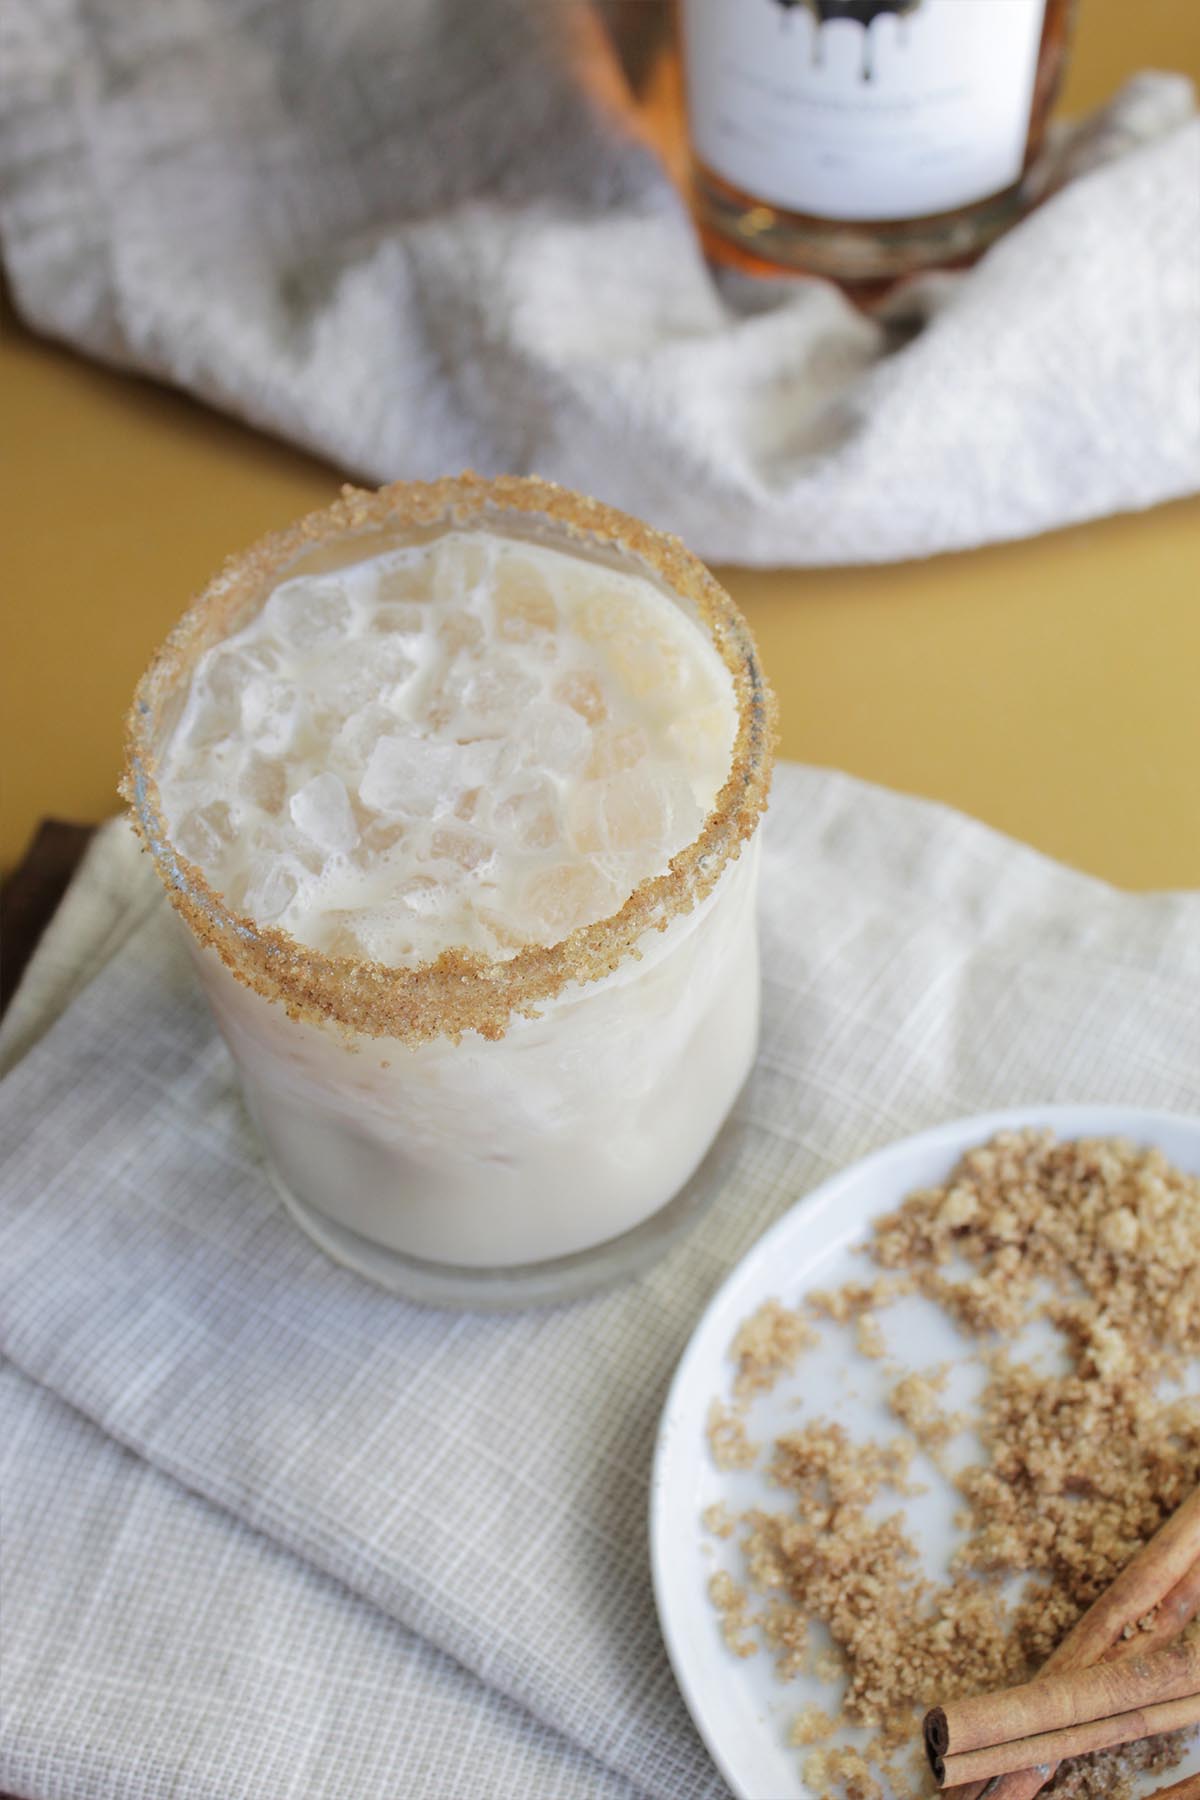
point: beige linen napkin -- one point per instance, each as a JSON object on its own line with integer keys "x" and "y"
{"x": 358, "y": 1544}
{"x": 413, "y": 237}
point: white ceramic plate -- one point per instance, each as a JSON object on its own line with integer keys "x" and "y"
{"x": 741, "y": 1709}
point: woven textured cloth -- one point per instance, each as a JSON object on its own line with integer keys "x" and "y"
{"x": 266, "y": 1524}
{"x": 272, "y": 1681}
{"x": 425, "y": 235}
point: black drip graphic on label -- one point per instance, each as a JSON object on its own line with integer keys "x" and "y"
{"x": 859, "y": 12}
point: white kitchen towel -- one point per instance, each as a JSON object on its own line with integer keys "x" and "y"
{"x": 414, "y": 235}
{"x": 482, "y": 1481}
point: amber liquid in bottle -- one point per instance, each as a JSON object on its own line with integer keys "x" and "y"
{"x": 866, "y": 139}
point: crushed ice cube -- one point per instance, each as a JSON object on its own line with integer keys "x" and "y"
{"x": 341, "y": 935}
{"x": 229, "y": 670}
{"x": 614, "y": 750}
{"x": 495, "y": 692}
{"x": 649, "y": 662}
{"x": 559, "y": 899}
{"x": 459, "y": 630}
{"x": 209, "y": 721}
{"x": 426, "y": 897}
{"x": 271, "y": 713}
{"x": 402, "y": 584}
{"x": 459, "y": 564}
{"x": 638, "y": 809}
{"x": 580, "y": 690}
{"x": 422, "y": 778}
{"x": 368, "y": 670}
{"x": 205, "y": 833}
{"x": 321, "y": 810}
{"x": 298, "y": 847}
{"x": 524, "y": 605}
{"x": 390, "y": 663}
{"x": 402, "y": 618}
{"x": 646, "y": 657}
{"x": 460, "y": 845}
{"x": 358, "y": 734}
{"x": 602, "y": 613}
{"x": 263, "y": 781}
{"x": 526, "y": 814}
{"x": 271, "y": 887}
{"x": 503, "y": 936}
{"x": 552, "y": 737}
{"x": 310, "y": 615}
{"x": 377, "y": 841}
{"x": 704, "y": 735}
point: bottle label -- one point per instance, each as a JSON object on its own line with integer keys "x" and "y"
{"x": 862, "y": 109}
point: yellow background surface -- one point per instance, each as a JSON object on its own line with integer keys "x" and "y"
{"x": 1051, "y": 687}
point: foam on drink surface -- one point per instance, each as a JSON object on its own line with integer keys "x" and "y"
{"x": 475, "y": 742}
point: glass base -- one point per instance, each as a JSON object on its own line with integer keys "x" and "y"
{"x": 550, "y": 1283}
{"x": 866, "y": 258}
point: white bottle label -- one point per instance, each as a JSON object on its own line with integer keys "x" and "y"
{"x": 862, "y": 109}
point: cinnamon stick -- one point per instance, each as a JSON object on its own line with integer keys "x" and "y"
{"x": 1165, "y": 1574}
{"x": 1054, "y": 1703}
{"x": 1043, "y": 1753}
{"x": 1187, "y": 1789}
{"x": 1175, "y": 1610}
{"x": 1169, "y": 1556}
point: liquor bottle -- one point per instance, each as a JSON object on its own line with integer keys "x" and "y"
{"x": 866, "y": 139}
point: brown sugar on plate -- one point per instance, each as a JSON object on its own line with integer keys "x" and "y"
{"x": 727, "y": 1439}
{"x": 844, "y": 1771}
{"x": 1116, "y": 1221}
{"x": 719, "y": 1520}
{"x": 854, "y": 1298}
{"x": 811, "y": 1726}
{"x": 1080, "y": 1462}
{"x": 829, "y": 1472}
{"x": 732, "y": 1603}
{"x": 916, "y": 1400}
{"x": 768, "y": 1344}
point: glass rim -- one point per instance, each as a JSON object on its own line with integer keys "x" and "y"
{"x": 459, "y": 990}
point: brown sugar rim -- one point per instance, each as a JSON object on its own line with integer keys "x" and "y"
{"x": 461, "y": 990}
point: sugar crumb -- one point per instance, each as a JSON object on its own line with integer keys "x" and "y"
{"x": 856, "y": 1297}
{"x": 718, "y": 1519}
{"x": 811, "y": 1726}
{"x": 768, "y": 1344}
{"x": 727, "y": 1439}
{"x": 732, "y": 1603}
{"x": 916, "y": 1401}
{"x": 841, "y": 1775}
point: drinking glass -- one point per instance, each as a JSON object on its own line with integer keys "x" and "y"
{"x": 482, "y": 1132}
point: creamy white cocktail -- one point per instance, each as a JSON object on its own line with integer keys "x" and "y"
{"x": 454, "y": 786}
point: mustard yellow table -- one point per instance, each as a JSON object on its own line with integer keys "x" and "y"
{"x": 1049, "y": 687}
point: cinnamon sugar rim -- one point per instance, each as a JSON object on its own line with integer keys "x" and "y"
{"x": 460, "y": 990}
